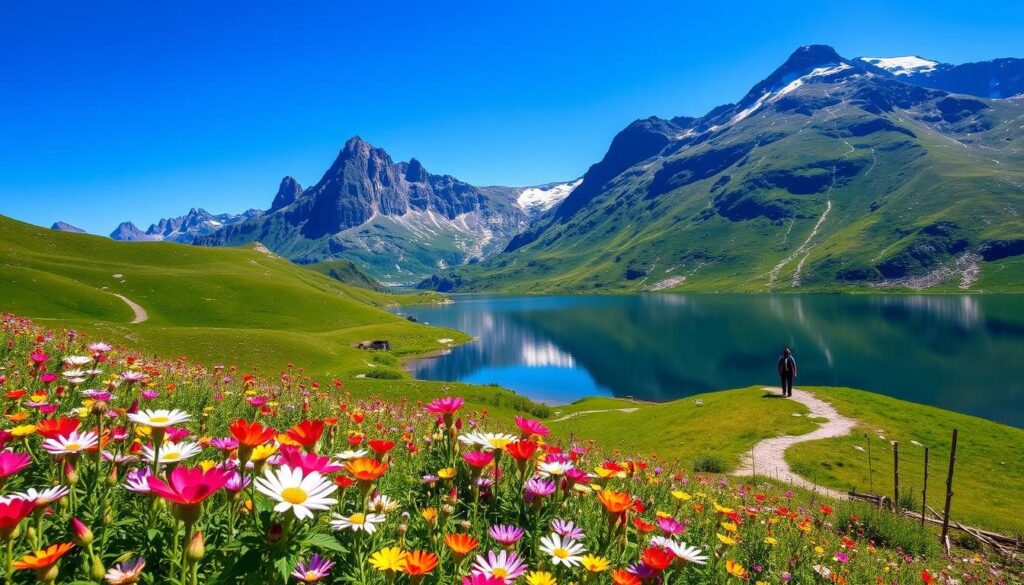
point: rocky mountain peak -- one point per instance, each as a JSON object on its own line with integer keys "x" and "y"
{"x": 287, "y": 193}
{"x": 63, "y": 226}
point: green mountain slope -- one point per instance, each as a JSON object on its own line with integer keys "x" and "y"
{"x": 240, "y": 306}
{"x": 347, "y": 272}
{"x": 825, "y": 176}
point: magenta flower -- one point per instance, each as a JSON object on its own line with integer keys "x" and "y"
{"x": 11, "y": 463}
{"x": 447, "y": 405}
{"x": 566, "y": 528}
{"x": 478, "y": 459}
{"x": 307, "y": 462}
{"x": 482, "y": 580}
{"x": 531, "y": 427}
{"x": 670, "y": 526}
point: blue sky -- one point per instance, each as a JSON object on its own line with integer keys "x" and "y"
{"x": 137, "y": 110}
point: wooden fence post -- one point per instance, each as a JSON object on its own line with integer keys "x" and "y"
{"x": 896, "y": 476}
{"x": 871, "y": 478}
{"x": 949, "y": 492}
{"x": 924, "y": 490}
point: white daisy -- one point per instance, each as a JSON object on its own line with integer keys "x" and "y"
{"x": 547, "y": 469}
{"x": 487, "y": 441}
{"x": 350, "y": 454}
{"x": 99, "y": 347}
{"x": 563, "y": 550}
{"x": 356, "y": 522}
{"x": 296, "y": 492}
{"x": 384, "y": 504}
{"x": 44, "y": 498}
{"x": 172, "y": 452}
{"x": 75, "y": 361}
{"x": 74, "y": 442}
{"x": 159, "y": 419}
{"x": 685, "y": 552}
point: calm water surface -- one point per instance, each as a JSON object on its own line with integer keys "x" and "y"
{"x": 963, "y": 353}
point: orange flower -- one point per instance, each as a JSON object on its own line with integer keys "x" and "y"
{"x": 735, "y": 569}
{"x": 622, "y": 577}
{"x": 43, "y": 559}
{"x": 419, "y": 563}
{"x": 306, "y": 433}
{"x": 17, "y": 417}
{"x": 251, "y": 434}
{"x": 461, "y": 544}
{"x": 615, "y": 502}
{"x": 366, "y": 469}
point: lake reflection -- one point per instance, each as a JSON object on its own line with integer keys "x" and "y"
{"x": 964, "y": 353}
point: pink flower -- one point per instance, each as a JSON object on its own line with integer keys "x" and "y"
{"x": 11, "y": 463}
{"x": 531, "y": 427}
{"x": 478, "y": 459}
{"x": 189, "y": 487}
{"x": 447, "y": 405}
{"x": 670, "y": 526}
{"x": 307, "y": 462}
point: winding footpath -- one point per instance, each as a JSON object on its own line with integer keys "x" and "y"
{"x": 573, "y": 415}
{"x": 140, "y": 313}
{"x": 768, "y": 457}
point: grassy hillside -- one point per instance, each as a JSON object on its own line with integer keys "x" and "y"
{"x": 239, "y": 306}
{"x": 830, "y": 188}
{"x": 347, "y": 272}
{"x": 725, "y": 426}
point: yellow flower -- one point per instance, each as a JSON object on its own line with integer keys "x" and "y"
{"x": 38, "y": 398}
{"x": 142, "y": 431}
{"x": 681, "y": 495}
{"x": 388, "y": 559}
{"x": 723, "y": 509}
{"x": 726, "y": 540}
{"x": 446, "y": 473}
{"x": 762, "y": 583}
{"x": 771, "y": 540}
{"x": 23, "y": 430}
{"x": 661, "y": 514}
{"x": 583, "y": 488}
{"x": 540, "y": 578}
{"x": 819, "y": 550}
{"x": 735, "y": 569}
{"x": 429, "y": 514}
{"x": 729, "y": 527}
{"x": 594, "y": 564}
{"x": 207, "y": 464}
{"x": 605, "y": 473}
{"x": 262, "y": 452}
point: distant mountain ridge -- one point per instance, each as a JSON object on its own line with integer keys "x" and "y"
{"x": 396, "y": 220}
{"x": 183, "y": 229}
{"x": 62, "y": 226}
{"x": 829, "y": 173}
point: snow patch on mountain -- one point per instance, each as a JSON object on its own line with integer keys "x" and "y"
{"x": 545, "y": 197}
{"x": 908, "y": 65}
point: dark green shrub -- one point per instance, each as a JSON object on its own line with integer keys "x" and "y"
{"x": 384, "y": 374}
{"x": 709, "y": 464}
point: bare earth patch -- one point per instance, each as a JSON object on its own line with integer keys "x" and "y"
{"x": 140, "y": 313}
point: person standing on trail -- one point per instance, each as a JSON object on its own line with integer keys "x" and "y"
{"x": 787, "y": 371}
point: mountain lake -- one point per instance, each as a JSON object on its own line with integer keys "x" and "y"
{"x": 959, "y": 352}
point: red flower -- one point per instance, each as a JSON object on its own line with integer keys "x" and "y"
{"x": 643, "y": 526}
{"x": 306, "y": 433}
{"x": 521, "y": 450}
{"x": 658, "y": 559}
{"x": 344, "y": 481}
{"x": 825, "y": 510}
{"x": 622, "y": 577}
{"x": 380, "y": 446}
{"x": 926, "y": 577}
{"x": 52, "y": 428}
{"x": 478, "y": 459}
{"x": 251, "y": 434}
{"x": 12, "y": 512}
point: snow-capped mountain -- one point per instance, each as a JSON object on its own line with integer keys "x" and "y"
{"x": 908, "y": 65}
{"x": 995, "y": 79}
{"x": 537, "y": 200}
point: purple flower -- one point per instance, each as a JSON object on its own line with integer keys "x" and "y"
{"x": 842, "y": 557}
{"x": 539, "y": 488}
{"x": 566, "y": 529}
{"x": 137, "y": 480}
{"x": 786, "y": 577}
{"x": 224, "y": 443}
{"x": 643, "y": 571}
{"x": 506, "y": 534}
{"x": 314, "y": 570}
{"x": 150, "y": 394}
{"x": 237, "y": 483}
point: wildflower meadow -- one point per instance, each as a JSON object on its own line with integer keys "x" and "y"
{"x": 120, "y": 468}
